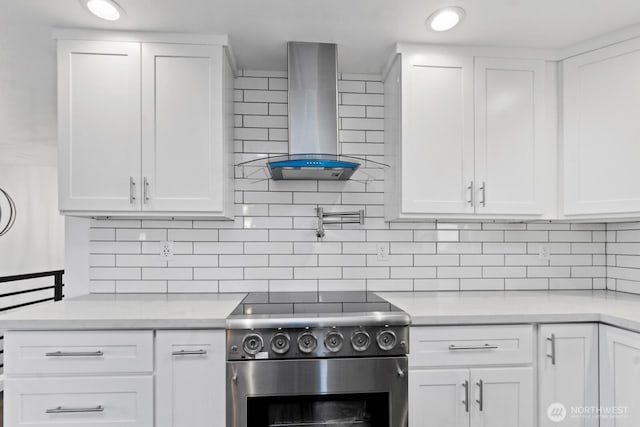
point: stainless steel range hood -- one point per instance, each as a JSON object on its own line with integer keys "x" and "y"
{"x": 313, "y": 116}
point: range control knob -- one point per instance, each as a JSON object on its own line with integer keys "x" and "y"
{"x": 252, "y": 344}
{"x": 280, "y": 343}
{"x": 360, "y": 340}
{"x": 334, "y": 341}
{"x": 307, "y": 342}
{"x": 386, "y": 340}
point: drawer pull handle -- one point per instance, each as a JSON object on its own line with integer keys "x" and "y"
{"x": 552, "y": 356}
{"x": 465, "y": 402}
{"x": 63, "y": 410}
{"x": 480, "y": 400}
{"x": 75, "y": 354}
{"x": 453, "y": 347}
{"x": 189, "y": 352}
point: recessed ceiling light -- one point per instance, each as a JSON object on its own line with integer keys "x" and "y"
{"x": 445, "y": 19}
{"x": 106, "y": 9}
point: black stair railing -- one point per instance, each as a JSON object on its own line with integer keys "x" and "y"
{"x": 57, "y": 287}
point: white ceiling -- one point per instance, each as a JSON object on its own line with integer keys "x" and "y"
{"x": 364, "y": 29}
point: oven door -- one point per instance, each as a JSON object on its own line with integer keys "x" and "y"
{"x": 362, "y": 392}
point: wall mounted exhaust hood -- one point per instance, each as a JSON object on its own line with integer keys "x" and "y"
{"x": 313, "y": 123}
{"x": 313, "y": 116}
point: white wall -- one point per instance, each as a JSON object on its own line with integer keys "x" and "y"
{"x": 28, "y": 173}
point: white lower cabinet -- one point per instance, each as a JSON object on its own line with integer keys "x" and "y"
{"x": 190, "y": 379}
{"x": 568, "y": 372}
{"x": 500, "y": 397}
{"x": 439, "y": 398}
{"x": 80, "y": 401}
{"x": 619, "y": 377}
{"x": 471, "y": 376}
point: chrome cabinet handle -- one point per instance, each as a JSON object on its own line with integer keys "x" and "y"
{"x": 466, "y": 395}
{"x": 453, "y": 347}
{"x": 145, "y": 188}
{"x": 63, "y": 410}
{"x": 552, "y": 356}
{"x": 189, "y": 352}
{"x": 401, "y": 373}
{"x": 480, "y": 400}
{"x": 75, "y": 354}
{"x": 132, "y": 190}
{"x": 470, "y": 188}
{"x": 483, "y": 189}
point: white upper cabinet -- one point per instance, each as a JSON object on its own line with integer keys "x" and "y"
{"x": 99, "y": 125}
{"x": 509, "y": 136}
{"x": 467, "y": 136}
{"x": 182, "y": 128}
{"x": 146, "y": 128}
{"x": 437, "y": 134}
{"x": 601, "y": 106}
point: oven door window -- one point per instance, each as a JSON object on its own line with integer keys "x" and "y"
{"x": 344, "y": 410}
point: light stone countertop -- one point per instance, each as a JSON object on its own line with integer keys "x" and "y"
{"x": 499, "y": 307}
{"x": 209, "y": 311}
{"x": 127, "y": 311}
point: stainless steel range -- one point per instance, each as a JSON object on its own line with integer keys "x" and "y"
{"x": 328, "y": 363}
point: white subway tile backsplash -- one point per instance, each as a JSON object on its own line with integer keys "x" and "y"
{"x": 141, "y": 286}
{"x": 413, "y": 272}
{"x": 140, "y": 261}
{"x": 436, "y": 284}
{"x": 342, "y": 260}
{"x": 171, "y": 273}
{"x": 192, "y": 286}
{"x": 199, "y": 235}
{"x": 217, "y": 248}
{"x": 272, "y": 245}
{"x": 317, "y": 272}
{"x": 193, "y": 261}
{"x": 342, "y": 285}
{"x": 218, "y": 273}
{"x": 252, "y": 273}
{"x": 481, "y": 284}
{"x": 244, "y": 260}
{"x": 231, "y": 286}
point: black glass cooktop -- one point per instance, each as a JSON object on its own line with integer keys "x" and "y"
{"x": 311, "y": 303}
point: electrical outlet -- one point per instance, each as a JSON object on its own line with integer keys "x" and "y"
{"x": 383, "y": 252}
{"x": 544, "y": 253}
{"x": 166, "y": 250}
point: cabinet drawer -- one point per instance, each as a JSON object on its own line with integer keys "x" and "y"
{"x": 471, "y": 345}
{"x": 76, "y": 352}
{"x": 81, "y": 402}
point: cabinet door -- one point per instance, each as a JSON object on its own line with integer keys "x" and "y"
{"x": 502, "y": 397}
{"x": 509, "y": 135}
{"x": 619, "y": 377}
{"x": 568, "y": 371}
{"x": 437, "y": 134}
{"x": 182, "y": 128}
{"x": 190, "y": 378}
{"x": 439, "y": 398}
{"x": 99, "y": 126}
{"x": 601, "y": 130}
